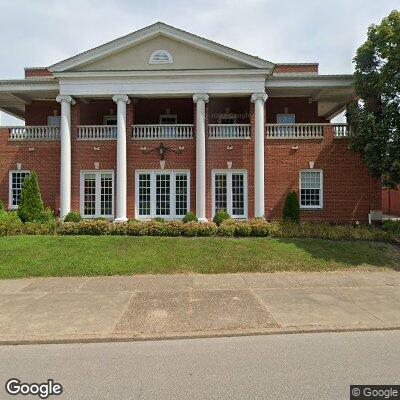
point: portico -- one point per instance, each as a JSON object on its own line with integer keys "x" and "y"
{"x": 241, "y": 132}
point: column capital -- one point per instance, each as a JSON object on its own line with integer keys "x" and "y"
{"x": 121, "y": 97}
{"x": 258, "y": 96}
{"x": 201, "y": 96}
{"x": 68, "y": 99}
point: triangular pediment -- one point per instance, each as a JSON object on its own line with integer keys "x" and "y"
{"x": 160, "y": 47}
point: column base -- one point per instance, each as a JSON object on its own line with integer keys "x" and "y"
{"x": 120, "y": 220}
{"x": 202, "y": 219}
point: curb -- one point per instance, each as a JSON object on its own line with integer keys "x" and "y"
{"x": 114, "y": 338}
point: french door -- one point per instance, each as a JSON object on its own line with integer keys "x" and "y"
{"x": 162, "y": 193}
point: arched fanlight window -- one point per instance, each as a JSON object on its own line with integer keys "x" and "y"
{"x": 160, "y": 57}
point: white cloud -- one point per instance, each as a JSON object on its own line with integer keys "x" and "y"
{"x": 42, "y": 32}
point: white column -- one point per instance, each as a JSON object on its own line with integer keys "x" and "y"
{"x": 122, "y": 101}
{"x": 65, "y": 175}
{"x": 201, "y": 99}
{"x": 259, "y": 195}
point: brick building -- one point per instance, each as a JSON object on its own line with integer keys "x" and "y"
{"x": 161, "y": 122}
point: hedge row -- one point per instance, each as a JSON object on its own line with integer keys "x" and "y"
{"x": 228, "y": 228}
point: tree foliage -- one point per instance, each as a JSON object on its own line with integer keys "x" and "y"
{"x": 30, "y": 207}
{"x": 291, "y": 208}
{"x": 375, "y": 118}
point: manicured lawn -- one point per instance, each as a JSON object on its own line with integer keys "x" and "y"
{"x": 24, "y": 256}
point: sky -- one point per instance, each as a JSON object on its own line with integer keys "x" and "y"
{"x": 43, "y": 32}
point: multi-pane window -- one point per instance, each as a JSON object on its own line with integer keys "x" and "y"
{"x": 162, "y": 194}
{"x": 97, "y": 194}
{"x": 285, "y": 118}
{"x": 181, "y": 194}
{"x": 144, "y": 194}
{"x": 168, "y": 119}
{"x": 311, "y": 189}
{"x": 106, "y": 198}
{"x": 16, "y": 179}
{"x": 221, "y": 191}
{"x": 230, "y": 192}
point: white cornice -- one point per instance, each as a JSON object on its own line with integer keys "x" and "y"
{"x": 28, "y": 85}
{"x": 162, "y": 73}
{"x": 154, "y": 30}
{"x": 309, "y": 81}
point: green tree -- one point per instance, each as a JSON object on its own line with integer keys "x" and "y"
{"x": 375, "y": 117}
{"x": 30, "y": 206}
{"x": 291, "y": 208}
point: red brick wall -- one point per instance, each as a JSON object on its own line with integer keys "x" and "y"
{"x": 29, "y": 73}
{"x": 37, "y": 112}
{"x": 305, "y": 111}
{"x": 345, "y": 178}
{"x": 44, "y": 159}
{"x": 347, "y": 186}
{"x": 391, "y": 201}
{"x": 148, "y": 111}
{"x": 296, "y": 68}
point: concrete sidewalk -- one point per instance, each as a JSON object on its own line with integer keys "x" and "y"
{"x": 167, "y": 306}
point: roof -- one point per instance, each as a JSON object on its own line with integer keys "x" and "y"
{"x": 159, "y": 28}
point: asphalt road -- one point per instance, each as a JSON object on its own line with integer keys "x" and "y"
{"x": 307, "y": 366}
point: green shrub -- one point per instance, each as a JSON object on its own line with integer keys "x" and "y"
{"x": 259, "y": 227}
{"x": 119, "y": 229}
{"x": 10, "y": 224}
{"x": 291, "y": 208}
{"x": 220, "y": 215}
{"x": 1, "y": 206}
{"x": 73, "y": 216}
{"x": 30, "y": 202}
{"x": 392, "y": 226}
{"x": 39, "y": 228}
{"x": 94, "y": 227}
{"x": 193, "y": 228}
{"x": 159, "y": 219}
{"x": 227, "y": 228}
{"x": 206, "y": 228}
{"x": 9, "y": 217}
{"x": 190, "y": 216}
{"x": 67, "y": 228}
{"x": 46, "y": 216}
{"x": 173, "y": 228}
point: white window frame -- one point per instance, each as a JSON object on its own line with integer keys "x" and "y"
{"x": 225, "y": 116}
{"x": 321, "y": 189}
{"x": 11, "y": 206}
{"x": 229, "y": 173}
{"x": 51, "y": 118}
{"x": 285, "y": 123}
{"x": 98, "y": 173}
{"x": 153, "y": 172}
{"x": 168, "y": 116}
{"x": 107, "y": 118}
{"x": 154, "y": 60}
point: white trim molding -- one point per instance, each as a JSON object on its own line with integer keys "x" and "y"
{"x": 152, "y": 192}
{"x": 229, "y": 194}
{"x": 165, "y": 30}
{"x": 160, "y": 57}
{"x": 98, "y": 193}
{"x": 26, "y": 172}
{"x": 321, "y": 189}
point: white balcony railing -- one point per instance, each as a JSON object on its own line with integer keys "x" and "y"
{"x": 97, "y": 132}
{"x": 165, "y": 131}
{"x": 295, "y": 131}
{"x": 229, "y": 131}
{"x": 341, "y": 130}
{"x": 35, "y": 133}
